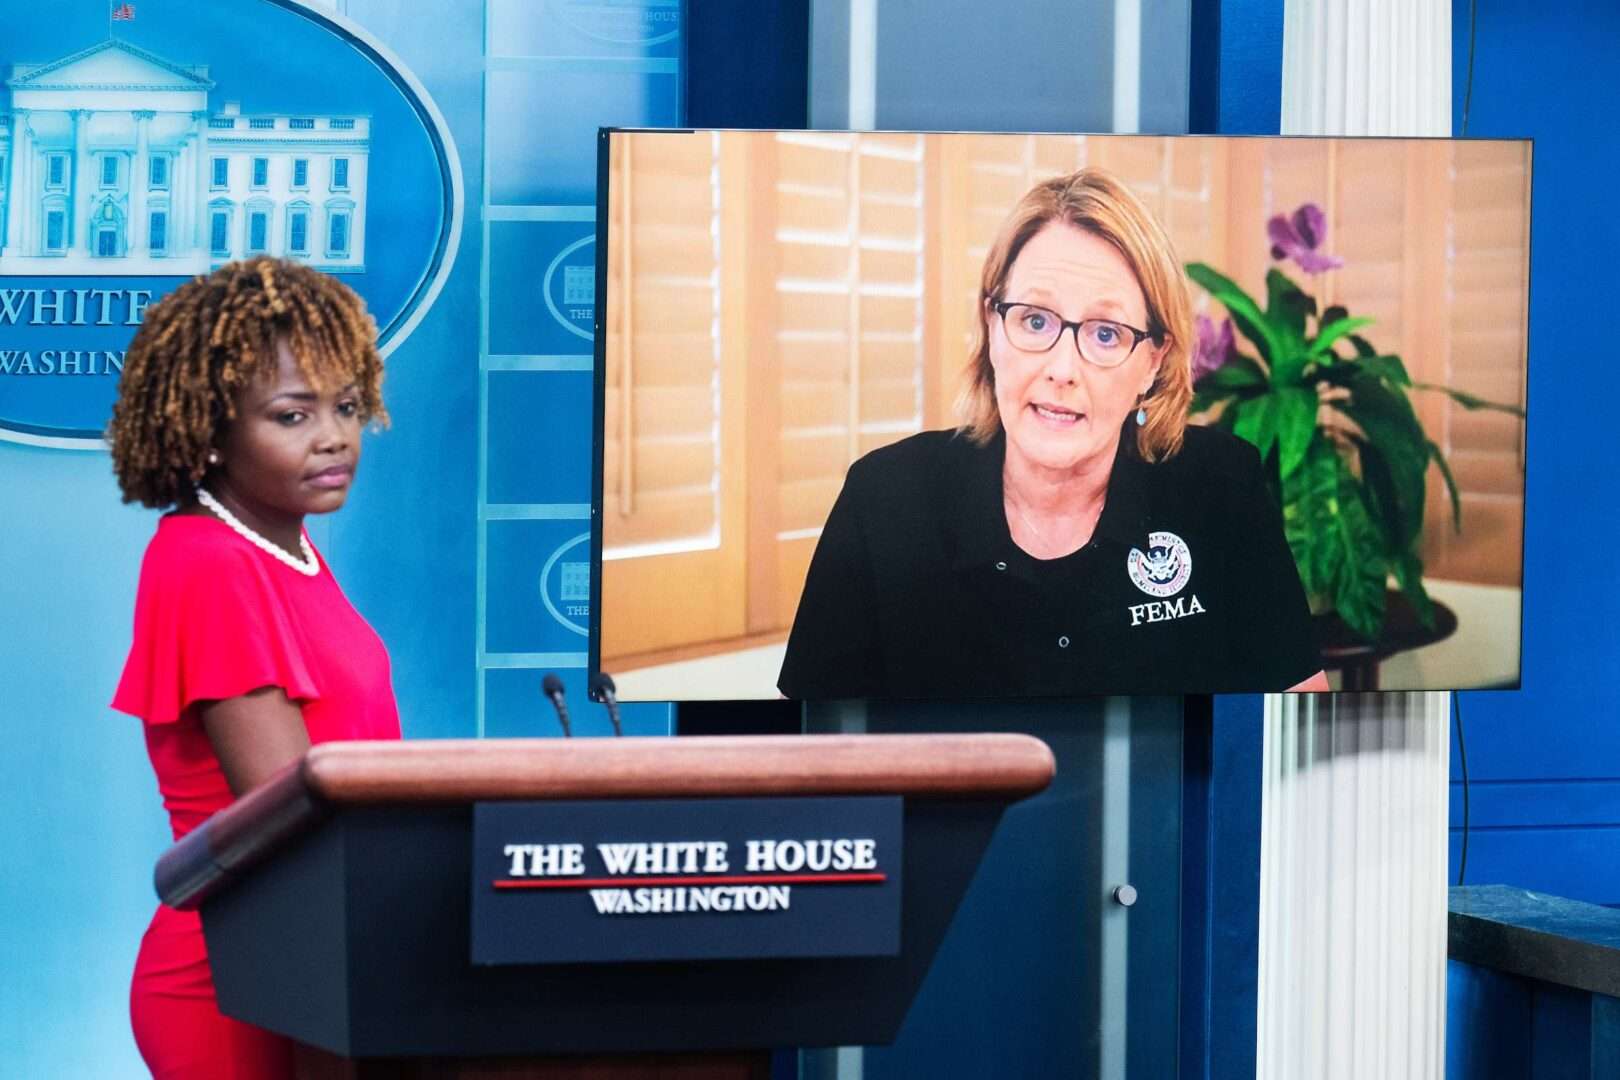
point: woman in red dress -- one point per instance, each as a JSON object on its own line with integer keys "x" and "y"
{"x": 241, "y": 405}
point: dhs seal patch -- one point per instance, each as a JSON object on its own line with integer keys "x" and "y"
{"x": 1164, "y": 569}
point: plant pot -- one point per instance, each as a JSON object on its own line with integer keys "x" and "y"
{"x": 1345, "y": 650}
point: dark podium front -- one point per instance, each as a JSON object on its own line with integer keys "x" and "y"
{"x": 336, "y": 901}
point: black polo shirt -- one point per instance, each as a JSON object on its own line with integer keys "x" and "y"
{"x": 916, "y": 588}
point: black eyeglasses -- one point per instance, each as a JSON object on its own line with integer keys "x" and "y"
{"x": 1102, "y": 342}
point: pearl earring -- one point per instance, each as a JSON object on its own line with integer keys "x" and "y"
{"x": 214, "y": 458}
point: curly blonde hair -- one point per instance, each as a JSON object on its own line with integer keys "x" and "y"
{"x": 203, "y": 342}
{"x": 1095, "y": 201}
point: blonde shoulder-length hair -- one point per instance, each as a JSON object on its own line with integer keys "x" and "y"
{"x": 1093, "y": 200}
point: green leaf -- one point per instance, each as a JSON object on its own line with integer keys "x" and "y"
{"x": 1363, "y": 347}
{"x": 1395, "y": 458}
{"x": 1238, "y": 373}
{"x": 1308, "y": 497}
{"x": 1333, "y": 313}
{"x": 1388, "y": 368}
{"x": 1451, "y": 485}
{"x": 1335, "y": 544}
{"x": 1358, "y": 594}
{"x": 1409, "y": 573}
{"x": 1335, "y": 330}
{"x": 1286, "y": 311}
{"x": 1469, "y": 401}
{"x": 1246, "y": 314}
{"x": 1384, "y": 502}
{"x": 1296, "y": 426}
{"x": 1286, "y": 306}
{"x": 1256, "y": 422}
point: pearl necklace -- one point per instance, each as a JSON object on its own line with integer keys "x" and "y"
{"x": 309, "y": 567}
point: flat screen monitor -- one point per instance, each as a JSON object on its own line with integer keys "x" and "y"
{"x": 924, "y": 415}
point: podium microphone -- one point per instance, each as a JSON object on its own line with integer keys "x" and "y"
{"x": 603, "y": 690}
{"x": 553, "y": 689}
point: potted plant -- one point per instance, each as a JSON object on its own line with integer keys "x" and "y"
{"x": 1329, "y": 412}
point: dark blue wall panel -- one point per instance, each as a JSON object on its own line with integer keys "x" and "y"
{"x": 748, "y": 66}
{"x": 1236, "y": 89}
{"x": 1487, "y": 1024}
{"x": 1235, "y": 62}
{"x": 1546, "y": 759}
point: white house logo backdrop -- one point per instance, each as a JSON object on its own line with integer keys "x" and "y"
{"x": 649, "y": 22}
{"x": 569, "y": 286}
{"x": 139, "y": 152}
{"x": 565, "y": 584}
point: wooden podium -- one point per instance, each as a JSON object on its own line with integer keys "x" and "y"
{"x": 335, "y": 901}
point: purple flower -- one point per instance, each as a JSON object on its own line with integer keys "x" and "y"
{"x": 1215, "y": 346}
{"x": 1298, "y": 238}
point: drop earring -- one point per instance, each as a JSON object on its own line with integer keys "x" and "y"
{"x": 1141, "y": 415}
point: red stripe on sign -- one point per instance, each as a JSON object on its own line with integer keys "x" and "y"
{"x": 735, "y": 879}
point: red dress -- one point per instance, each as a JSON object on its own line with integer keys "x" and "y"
{"x": 216, "y": 618}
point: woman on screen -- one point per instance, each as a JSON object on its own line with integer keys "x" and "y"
{"x": 241, "y": 405}
{"x": 1073, "y": 535}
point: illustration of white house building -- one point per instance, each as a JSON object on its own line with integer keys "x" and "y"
{"x": 113, "y": 162}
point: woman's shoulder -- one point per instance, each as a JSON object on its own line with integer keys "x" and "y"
{"x": 916, "y": 455}
{"x": 1208, "y": 445}
{"x": 194, "y": 547}
{"x": 1209, "y": 452}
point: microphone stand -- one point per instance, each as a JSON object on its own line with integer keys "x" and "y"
{"x": 603, "y": 690}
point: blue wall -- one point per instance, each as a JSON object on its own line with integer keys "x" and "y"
{"x": 1544, "y": 761}
{"x": 1235, "y": 67}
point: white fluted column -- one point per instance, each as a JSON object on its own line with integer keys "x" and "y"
{"x": 1353, "y": 886}
{"x": 1366, "y": 67}
{"x": 1353, "y": 842}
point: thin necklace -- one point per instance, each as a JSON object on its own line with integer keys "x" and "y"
{"x": 1019, "y": 510}
{"x": 309, "y": 567}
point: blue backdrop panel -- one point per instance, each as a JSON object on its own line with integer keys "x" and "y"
{"x": 554, "y": 73}
{"x": 80, "y": 823}
{"x": 405, "y": 545}
{"x": 543, "y": 286}
{"x": 406, "y": 548}
{"x": 587, "y": 28}
{"x": 535, "y": 116}
{"x": 542, "y": 602}
{"x": 551, "y": 405}
{"x": 79, "y": 808}
{"x": 1546, "y": 758}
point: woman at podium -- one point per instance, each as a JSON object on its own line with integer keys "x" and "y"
{"x": 240, "y": 411}
{"x": 1073, "y": 535}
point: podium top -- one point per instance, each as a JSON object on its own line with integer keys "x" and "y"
{"x": 467, "y": 770}
{"x": 996, "y": 767}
